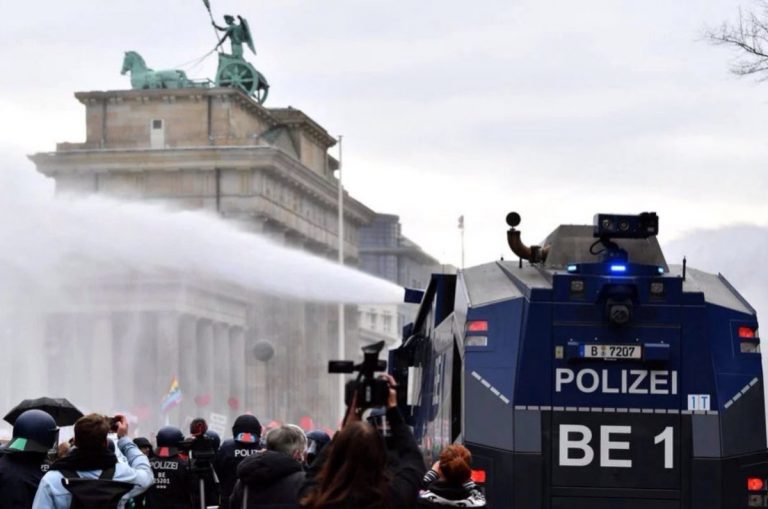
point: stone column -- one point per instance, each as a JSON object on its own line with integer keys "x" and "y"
{"x": 144, "y": 364}
{"x": 187, "y": 367}
{"x": 298, "y": 337}
{"x": 317, "y": 365}
{"x": 124, "y": 331}
{"x": 238, "y": 361}
{"x": 57, "y": 355}
{"x": 205, "y": 360}
{"x": 102, "y": 377}
{"x": 7, "y": 339}
{"x": 260, "y": 385}
{"x": 282, "y": 373}
{"x": 168, "y": 361}
{"x": 222, "y": 364}
{"x": 24, "y": 348}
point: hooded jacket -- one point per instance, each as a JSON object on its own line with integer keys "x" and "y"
{"x": 229, "y": 456}
{"x": 51, "y": 494}
{"x": 440, "y": 493}
{"x": 268, "y": 480}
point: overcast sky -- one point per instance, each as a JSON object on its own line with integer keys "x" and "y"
{"x": 556, "y": 109}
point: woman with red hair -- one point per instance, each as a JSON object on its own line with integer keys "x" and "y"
{"x": 449, "y": 482}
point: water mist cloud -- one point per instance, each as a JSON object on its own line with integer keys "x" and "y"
{"x": 62, "y": 241}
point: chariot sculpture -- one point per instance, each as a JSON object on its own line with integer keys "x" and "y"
{"x": 233, "y": 70}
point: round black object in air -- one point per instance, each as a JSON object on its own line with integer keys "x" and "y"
{"x": 513, "y": 219}
{"x": 263, "y": 350}
{"x": 619, "y": 314}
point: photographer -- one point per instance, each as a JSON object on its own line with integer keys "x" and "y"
{"x": 92, "y": 460}
{"x": 352, "y": 472}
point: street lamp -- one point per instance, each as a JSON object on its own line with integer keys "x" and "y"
{"x": 341, "y": 354}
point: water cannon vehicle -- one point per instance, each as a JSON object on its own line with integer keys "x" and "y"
{"x": 589, "y": 373}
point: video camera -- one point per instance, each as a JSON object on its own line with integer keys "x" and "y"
{"x": 114, "y": 423}
{"x": 199, "y": 446}
{"x": 371, "y": 391}
{"x": 201, "y": 451}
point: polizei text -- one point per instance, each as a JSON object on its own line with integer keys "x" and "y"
{"x": 625, "y": 381}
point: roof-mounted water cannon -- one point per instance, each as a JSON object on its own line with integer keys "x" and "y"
{"x": 534, "y": 254}
{"x": 621, "y": 226}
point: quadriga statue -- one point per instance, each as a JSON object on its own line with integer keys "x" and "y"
{"x": 143, "y": 77}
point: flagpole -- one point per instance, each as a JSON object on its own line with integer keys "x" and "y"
{"x": 342, "y": 321}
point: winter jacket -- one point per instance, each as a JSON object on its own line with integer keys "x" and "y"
{"x": 174, "y": 484}
{"x": 51, "y": 494}
{"x": 406, "y": 468}
{"x": 439, "y": 493}
{"x": 228, "y": 458}
{"x": 268, "y": 480}
{"x": 20, "y": 474}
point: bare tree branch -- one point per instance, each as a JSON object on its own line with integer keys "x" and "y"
{"x": 749, "y": 37}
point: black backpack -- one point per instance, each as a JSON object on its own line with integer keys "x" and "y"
{"x": 101, "y": 493}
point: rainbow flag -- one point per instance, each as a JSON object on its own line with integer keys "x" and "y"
{"x": 173, "y": 398}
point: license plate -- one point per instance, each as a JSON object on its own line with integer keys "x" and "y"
{"x": 611, "y": 351}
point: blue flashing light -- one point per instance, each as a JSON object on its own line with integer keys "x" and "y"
{"x": 618, "y": 268}
{"x": 661, "y": 270}
{"x": 572, "y": 268}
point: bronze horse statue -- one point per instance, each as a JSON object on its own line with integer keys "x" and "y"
{"x": 142, "y": 77}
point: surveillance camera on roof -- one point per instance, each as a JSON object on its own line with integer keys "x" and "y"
{"x": 621, "y": 226}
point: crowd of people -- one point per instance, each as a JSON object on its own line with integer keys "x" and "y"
{"x": 362, "y": 467}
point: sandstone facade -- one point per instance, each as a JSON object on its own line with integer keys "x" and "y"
{"x": 269, "y": 170}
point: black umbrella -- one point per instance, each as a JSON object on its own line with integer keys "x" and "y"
{"x": 62, "y": 411}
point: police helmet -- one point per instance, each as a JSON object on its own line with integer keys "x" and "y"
{"x": 247, "y": 429}
{"x": 214, "y": 438}
{"x": 316, "y": 441}
{"x": 168, "y": 440}
{"x": 34, "y": 431}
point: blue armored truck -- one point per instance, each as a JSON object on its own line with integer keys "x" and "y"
{"x": 589, "y": 373}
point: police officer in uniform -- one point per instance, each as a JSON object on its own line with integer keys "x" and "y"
{"x": 173, "y": 479}
{"x": 23, "y": 462}
{"x": 246, "y": 434}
